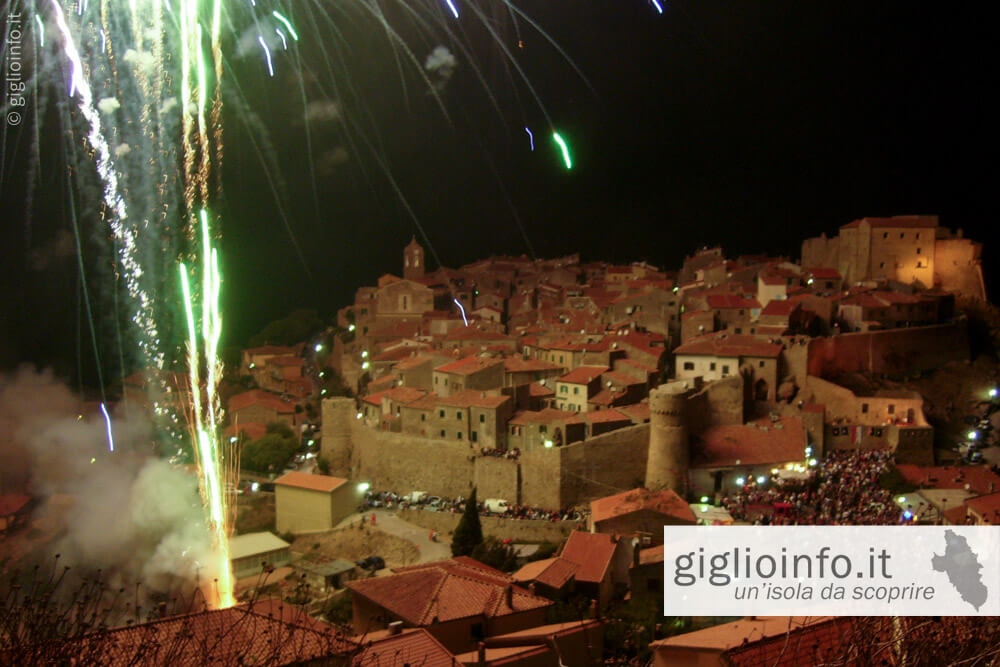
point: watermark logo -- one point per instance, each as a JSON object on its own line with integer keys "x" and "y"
{"x": 832, "y": 570}
{"x": 14, "y": 85}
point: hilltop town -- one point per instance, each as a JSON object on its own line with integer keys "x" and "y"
{"x": 587, "y": 405}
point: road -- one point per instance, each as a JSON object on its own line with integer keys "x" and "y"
{"x": 388, "y": 522}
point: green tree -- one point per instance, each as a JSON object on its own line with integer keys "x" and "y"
{"x": 493, "y": 552}
{"x": 323, "y": 465}
{"x": 297, "y": 327}
{"x": 271, "y": 452}
{"x": 469, "y": 531}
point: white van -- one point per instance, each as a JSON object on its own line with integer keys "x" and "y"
{"x": 496, "y": 505}
{"x": 415, "y": 497}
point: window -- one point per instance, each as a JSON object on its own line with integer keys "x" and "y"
{"x": 711, "y": 366}
{"x": 864, "y": 408}
{"x": 725, "y": 370}
{"x": 901, "y": 234}
{"x": 918, "y": 251}
{"x": 441, "y": 414}
{"x": 477, "y": 631}
{"x": 762, "y": 363}
{"x": 442, "y": 433}
{"x": 885, "y": 235}
{"x": 436, "y": 378}
{"x": 474, "y": 436}
{"x": 458, "y": 415}
{"x": 892, "y": 409}
{"x": 739, "y": 330}
{"x": 576, "y": 391}
{"x": 543, "y": 428}
{"x": 918, "y": 235}
{"x": 689, "y": 365}
{"x": 446, "y": 382}
{"x": 459, "y": 435}
{"x": 406, "y": 302}
{"x": 423, "y": 417}
{"x": 563, "y": 389}
{"x": 482, "y": 418}
{"x": 881, "y": 265}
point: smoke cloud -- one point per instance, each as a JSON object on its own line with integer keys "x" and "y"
{"x": 127, "y": 512}
{"x": 440, "y": 64}
{"x": 108, "y": 105}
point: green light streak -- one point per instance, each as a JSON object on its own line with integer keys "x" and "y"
{"x": 565, "y": 150}
{"x": 288, "y": 24}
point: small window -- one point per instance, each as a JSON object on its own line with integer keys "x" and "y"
{"x": 563, "y": 389}
{"x": 482, "y": 418}
{"x": 725, "y": 370}
{"x": 885, "y": 235}
{"x": 576, "y": 390}
{"x": 918, "y": 251}
{"x": 423, "y": 417}
{"x": 446, "y": 382}
{"x": 458, "y": 415}
{"x": 762, "y": 363}
{"x": 459, "y": 435}
{"x": 901, "y": 235}
{"x": 711, "y": 366}
{"x": 881, "y": 265}
{"x": 689, "y": 365}
{"x": 442, "y": 433}
{"x": 864, "y": 408}
{"x": 543, "y": 428}
{"x": 474, "y": 436}
{"x": 918, "y": 235}
{"x": 892, "y": 409}
{"x": 441, "y": 414}
{"x": 436, "y": 378}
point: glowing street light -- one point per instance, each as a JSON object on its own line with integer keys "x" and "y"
{"x": 318, "y": 347}
{"x": 351, "y": 328}
{"x": 902, "y": 499}
{"x": 704, "y": 499}
{"x": 812, "y": 462}
{"x": 364, "y": 354}
{"x": 993, "y": 392}
{"x": 761, "y": 479}
{"x": 548, "y": 444}
{"x": 360, "y": 415}
{"x": 973, "y": 435}
{"x": 363, "y": 486}
{"x": 740, "y": 481}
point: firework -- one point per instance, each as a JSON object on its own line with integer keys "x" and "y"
{"x": 567, "y": 160}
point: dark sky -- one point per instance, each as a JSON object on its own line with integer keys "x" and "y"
{"x": 748, "y": 124}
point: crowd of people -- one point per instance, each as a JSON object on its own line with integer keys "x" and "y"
{"x": 843, "y": 489}
{"x": 511, "y": 453}
{"x": 390, "y": 500}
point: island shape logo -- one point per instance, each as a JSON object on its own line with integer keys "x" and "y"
{"x": 962, "y": 566}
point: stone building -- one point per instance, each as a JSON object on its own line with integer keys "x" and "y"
{"x": 305, "y": 502}
{"x": 251, "y": 553}
{"x": 722, "y": 355}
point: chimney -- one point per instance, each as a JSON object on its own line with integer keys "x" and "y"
{"x": 395, "y": 627}
{"x": 508, "y": 594}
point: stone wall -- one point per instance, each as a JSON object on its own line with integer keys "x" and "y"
{"x": 496, "y": 477}
{"x": 895, "y": 351}
{"x": 405, "y": 463}
{"x": 958, "y": 268}
{"x": 600, "y": 466}
{"x": 518, "y": 530}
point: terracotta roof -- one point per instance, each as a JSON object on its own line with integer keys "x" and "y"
{"x": 538, "y": 390}
{"x": 411, "y": 362}
{"x": 621, "y": 378}
{"x": 605, "y": 397}
{"x": 583, "y": 374}
{"x": 518, "y": 365}
{"x": 778, "y": 308}
{"x": 428, "y": 402}
{"x": 303, "y": 480}
{"x": 551, "y": 572}
{"x": 263, "y": 632}
{"x": 652, "y": 555}
{"x": 663, "y": 502}
{"x": 473, "y": 399}
{"x": 735, "y": 634}
{"x": 729, "y": 345}
{"x": 638, "y": 411}
{"x": 471, "y": 333}
{"x": 593, "y": 552}
{"x": 254, "y": 396}
{"x": 252, "y": 430}
{"x": 468, "y": 365}
{"x": 404, "y": 395}
{"x": 546, "y": 416}
{"x": 603, "y": 416}
{"x": 988, "y": 507}
{"x": 635, "y": 364}
{"x": 977, "y": 478}
{"x": 865, "y": 300}
{"x": 759, "y": 443}
{"x": 447, "y": 590}
{"x": 412, "y": 646}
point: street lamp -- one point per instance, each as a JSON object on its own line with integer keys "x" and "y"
{"x": 318, "y": 347}
{"x": 740, "y": 481}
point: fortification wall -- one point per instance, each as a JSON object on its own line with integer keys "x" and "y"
{"x": 518, "y": 530}
{"x": 820, "y": 251}
{"x": 335, "y": 446}
{"x": 957, "y": 267}
{"x": 497, "y": 478}
{"x": 602, "y": 465}
{"x": 892, "y": 352}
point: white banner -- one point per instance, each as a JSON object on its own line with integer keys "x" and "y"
{"x": 831, "y": 570}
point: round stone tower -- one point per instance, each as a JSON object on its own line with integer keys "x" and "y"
{"x": 339, "y": 414}
{"x": 669, "y": 453}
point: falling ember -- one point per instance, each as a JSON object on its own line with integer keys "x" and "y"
{"x": 215, "y": 467}
{"x": 107, "y": 421}
{"x": 565, "y": 150}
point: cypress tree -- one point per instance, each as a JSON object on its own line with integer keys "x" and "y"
{"x": 469, "y": 531}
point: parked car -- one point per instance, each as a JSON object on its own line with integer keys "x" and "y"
{"x": 372, "y": 563}
{"x": 496, "y": 505}
{"x": 415, "y": 497}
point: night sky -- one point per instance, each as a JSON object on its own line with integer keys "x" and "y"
{"x": 747, "y": 124}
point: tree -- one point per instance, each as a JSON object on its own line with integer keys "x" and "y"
{"x": 323, "y": 465}
{"x": 493, "y": 552}
{"x": 469, "y": 531}
{"x": 271, "y": 452}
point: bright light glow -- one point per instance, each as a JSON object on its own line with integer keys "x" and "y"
{"x": 973, "y": 435}
{"x": 761, "y": 479}
{"x": 41, "y": 30}
{"x": 907, "y": 515}
{"x": 360, "y": 415}
{"x": 809, "y": 450}
{"x": 107, "y": 421}
{"x": 351, "y": 328}
{"x": 812, "y": 462}
{"x": 233, "y": 439}
{"x": 255, "y": 487}
{"x": 365, "y": 365}
{"x": 902, "y": 499}
{"x": 565, "y": 150}
{"x": 318, "y": 347}
{"x": 993, "y": 392}
{"x": 288, "y": 25}
{"x": 267, "y": 54}
{"x": 462, "y": 310}
{"x": 658, "y": 6}
{"x": 363, "y": 486}
{"x": 451, "y": 6}
{"x": 284, "y": 42}
{"x": 704, "y": 499}
{"x": 548, "y": 444}
{"x": 364, "y": 354}
{"x": 531, "y": 138}
{"x": 311, "y": 443}
{"x": 740, "y": 481}
{"x": 703, "y": 509}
